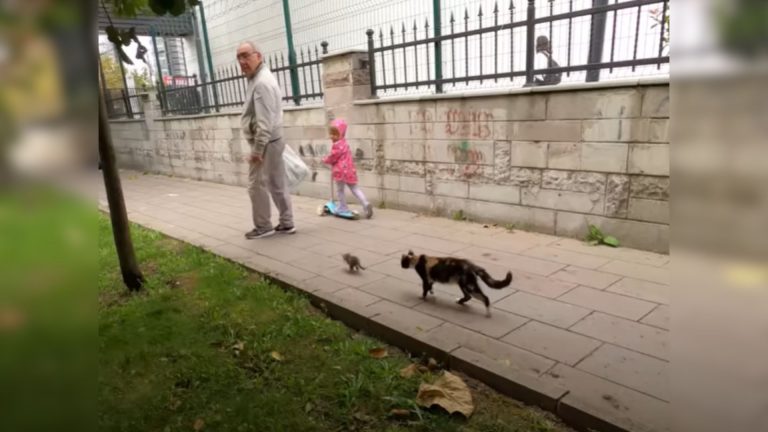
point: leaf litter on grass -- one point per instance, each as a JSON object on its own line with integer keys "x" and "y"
{"x": 449, "y": 392}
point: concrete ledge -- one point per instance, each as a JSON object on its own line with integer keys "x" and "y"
{"x": 637, "y": 82}
{"x": 344, "y": 52}
{"x": 139, "y": 120}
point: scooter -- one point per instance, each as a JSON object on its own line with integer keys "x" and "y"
{"x": 331, "y": 208}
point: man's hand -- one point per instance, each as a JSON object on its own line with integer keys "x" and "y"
{"x": 255, "y": 159}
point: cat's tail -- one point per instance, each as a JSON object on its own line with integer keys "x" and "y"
{"x": 491, "y": 282}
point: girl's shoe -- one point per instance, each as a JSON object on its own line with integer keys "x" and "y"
{"x": 368, "y": 211}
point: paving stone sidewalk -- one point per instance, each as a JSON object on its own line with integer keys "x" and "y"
{"x": 585, "y": 329}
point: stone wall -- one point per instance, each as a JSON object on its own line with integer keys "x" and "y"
{"x": 551, "y": 161}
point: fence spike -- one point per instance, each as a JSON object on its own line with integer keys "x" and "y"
{"x": 414, "y": 25}
{"x": 511, "y": 6}
{"x": 466, "y": 14}
{"x": 496, "y": 8}
{"x": 452, "y": 20}
{"x": 317, "y": 53}
{"x": 302, "y": 54}
{"x": 480, "y": 13}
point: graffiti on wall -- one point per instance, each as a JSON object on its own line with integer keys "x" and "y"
{"x": 469, "y": 124}
{"x": 468, "y": 157}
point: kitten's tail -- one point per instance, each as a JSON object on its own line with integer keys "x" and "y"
{"x": 491, "y": 282}
{"x": 361, "y": 267}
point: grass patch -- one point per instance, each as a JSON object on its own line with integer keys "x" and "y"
{"x": 196, "y": 350}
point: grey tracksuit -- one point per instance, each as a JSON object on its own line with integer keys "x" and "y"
{"x": 262, "y": 125}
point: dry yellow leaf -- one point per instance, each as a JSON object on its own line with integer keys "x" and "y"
{"x": 409, "y": 370}
{"x": 378, "y": 353}
{"x": 449, "y": 392}
{"x": 277, "y": 356}
{"x": 199, "y": 425}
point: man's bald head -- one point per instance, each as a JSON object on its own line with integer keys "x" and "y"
{"x": 249, "y": 58}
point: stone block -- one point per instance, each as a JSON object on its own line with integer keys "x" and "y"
{"x": 417, "y": 131}
{"x": 529, "y": 154}
{"x": 541, "y": 286}
{"x": 625, "y": 333}
{"x": 660, "y": 317}
{"x": 362, "y": 148}
{"x": 494, "y": 193}
{"x": 410, "y": 112}
{"x": 540, "y": 220}
{"x": 649, "y": 210}
{"x": 412, "y": 184}
{"x": 500, "y": 352}
{"x": 468, "y": 130}
{"x": 574, "y": 181}
{"x": 564, "y": 155}
{"x": 391, "y": 182}
{"x": 617, "y": 196}
{"x": 641, "y": 289}
{"x": 548, "y": 130}
{"x": 501, "y": 160}
{"x": 626, "y": 130}
{"x": 610, "y": 303}
{"x": 598, "y": 404}
{"x": 563, "y": 200}
{"x": 566, "y": 257}
{"x": 604, "y": 157}
{"x": 656, "y": 102}
{"x": 337, "y": 96}
{"x": 366, "y": 131}
{"x": 659, "y": 131}
{"x": 460, "y": 152}
{"x": 410, "y": 168}
{"x": 634, "y": 370}
{"x": 660, "y": 275}
{"x": 401, "y": 318}
{"x": 451, "y": 189}
{"x": 524, "y": 177}
{"x": 404, "y": 150}
{"x": 412, "y": 201}
{"x": 498, "y": 108}
{"x": 645, "y": 187}
{"x": 552, "y": 342}
{"x": 543, "y": 309}
{"x": 591, "y": 278}
{"x": 649, "y": 159}
{"x": 612, "y": 103}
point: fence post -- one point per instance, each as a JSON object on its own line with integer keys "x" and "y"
{"x": 294, "y": 72}
{"x": 208, "y": 55}
{"x": 597, "y": 40}
{"x": 371, "y": 61}
{"x": 530, "y": 52}
{"x": 161, "y": 84}
{"x": 438, "y": 29}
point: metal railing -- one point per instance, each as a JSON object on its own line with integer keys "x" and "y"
{"x": 228, "y": 89}
{"x": 389, "y": 58}
{"x": 123, "y": 103}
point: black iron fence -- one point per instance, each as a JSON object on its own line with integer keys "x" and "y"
{"x": 400, "y": 59}
{"x": 229, "y": 87}
{"x": 124, "y": 103}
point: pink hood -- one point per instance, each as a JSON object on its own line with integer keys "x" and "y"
{"x": 341, "y": 126}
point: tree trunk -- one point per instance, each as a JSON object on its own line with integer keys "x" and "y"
{"x": 129, "y": 267}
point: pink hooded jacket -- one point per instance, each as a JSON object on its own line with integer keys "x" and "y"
{"x": 340, "y": 158}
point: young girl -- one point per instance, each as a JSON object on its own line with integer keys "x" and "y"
{"x": 343, "y": 167}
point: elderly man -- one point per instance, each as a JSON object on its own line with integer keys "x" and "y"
{"x": 262, "y": 124}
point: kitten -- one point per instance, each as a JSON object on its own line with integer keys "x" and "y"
{"x": 353, "y": 262}
{"x": 453, "y": 270}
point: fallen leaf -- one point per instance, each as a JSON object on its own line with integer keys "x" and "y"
{"x": 448, "y": 392}
{"x": 175, "y": 404}
{"x": 409, "y": 370}
{"x": 378, "y": 353}
{"x": 239, "y": 346}
{"x": 397, "y": 412}
{"x": 308, "y": 407}
{"x": 277, "y": 356}
{"x": 423, "y": 369}
{"x": 199, "y": 425}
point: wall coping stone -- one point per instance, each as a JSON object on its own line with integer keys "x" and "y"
{"x": 637, "y": 82}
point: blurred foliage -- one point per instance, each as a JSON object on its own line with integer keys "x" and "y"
{"x": 743, "y": 26}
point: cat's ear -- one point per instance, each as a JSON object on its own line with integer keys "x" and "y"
{"x": 410, "y": 252}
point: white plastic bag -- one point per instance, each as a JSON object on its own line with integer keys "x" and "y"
{"x": 295, "y": 168}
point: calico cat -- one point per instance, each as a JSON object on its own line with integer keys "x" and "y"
{"x": 453, "y": 270}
